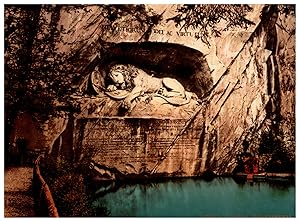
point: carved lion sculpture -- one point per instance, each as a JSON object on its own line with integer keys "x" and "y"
{"x": 130, "y": 82}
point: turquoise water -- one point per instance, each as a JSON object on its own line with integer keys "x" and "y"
{"x": 221, "y": 197}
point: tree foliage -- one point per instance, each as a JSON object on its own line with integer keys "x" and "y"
{"x": 206, "y": 18}
{"x": 37, "y": 73}
{"x": 287, "y": 10}
{"x": 20, "y": 28}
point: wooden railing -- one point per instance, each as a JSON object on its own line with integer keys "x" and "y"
{"x": 43, "y": 200}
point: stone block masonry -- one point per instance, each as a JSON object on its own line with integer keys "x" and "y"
{"x": 138, "y": 145}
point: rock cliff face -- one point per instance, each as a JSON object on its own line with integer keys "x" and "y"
{"x": 242, "y": 108}
{"x": 285, "y": 58}
{"x": 246, "y": 103}
{"x": 249, "y": 109}
{"x": 237, "y": 108}
{"x": 38, "y": 135}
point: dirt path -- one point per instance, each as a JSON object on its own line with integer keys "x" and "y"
{"x": 17, "y": 192}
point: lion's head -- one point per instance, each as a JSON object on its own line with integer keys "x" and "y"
{"x": 120, "y": 74}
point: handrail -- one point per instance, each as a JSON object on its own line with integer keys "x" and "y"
{"x": 52, "y": 211}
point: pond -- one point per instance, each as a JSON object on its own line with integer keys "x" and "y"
{"x": 220, "y": 197}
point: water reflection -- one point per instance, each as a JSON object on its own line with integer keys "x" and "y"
{"x": 221, "y": 197}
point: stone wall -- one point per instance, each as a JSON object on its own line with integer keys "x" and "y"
{"x": 25, "y": 139}
{"x": 247, "y": 101}
{"x": 141, "y": 145}
{"x": 285, "y": 58}
{"x": 37, "y": 134}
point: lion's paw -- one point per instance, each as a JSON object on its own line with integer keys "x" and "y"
{"x": 126, "y": 104}
{"x": 111, "y": 88}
